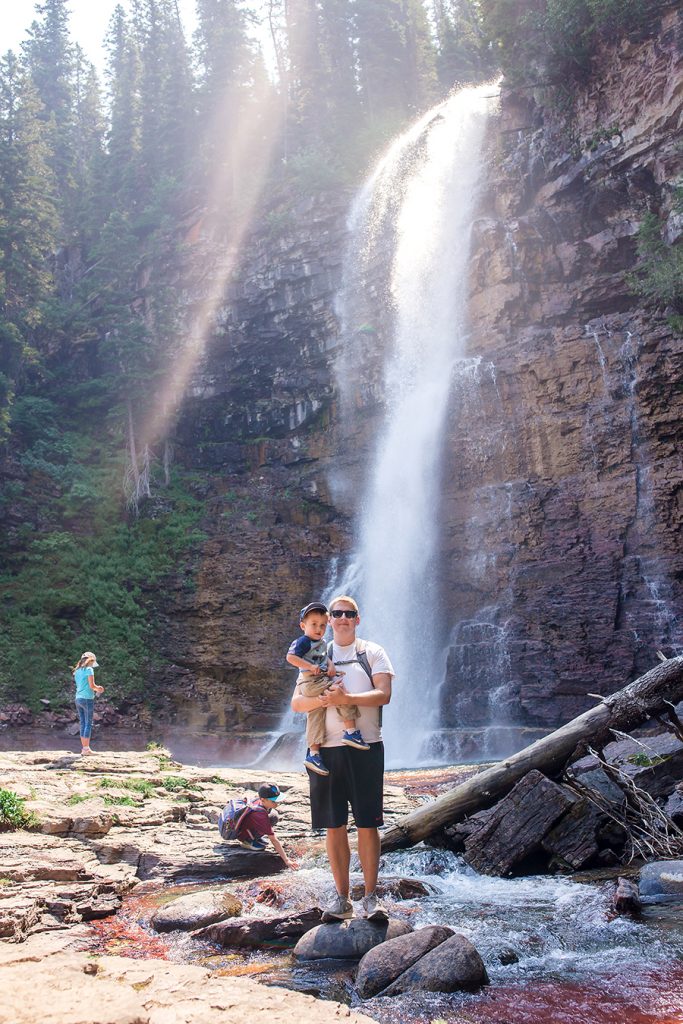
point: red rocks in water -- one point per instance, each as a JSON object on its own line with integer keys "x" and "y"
{"x": 626, "y": 899}
{"x": 396, "y": 888}
{"x": 270, "y": 896}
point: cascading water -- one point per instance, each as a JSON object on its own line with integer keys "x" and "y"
{"x": 421, "y": 199}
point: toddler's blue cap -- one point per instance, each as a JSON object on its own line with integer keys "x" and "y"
{"x": 314, "y": 606}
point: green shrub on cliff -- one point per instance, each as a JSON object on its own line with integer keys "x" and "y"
{"x": 659, "y": 275}
{"x": 554, "y": 41}
{"x": 13, "y": 813}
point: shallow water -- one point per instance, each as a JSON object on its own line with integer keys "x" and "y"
{"x": 203, "y": 749}
{"x": 577, "y": 962}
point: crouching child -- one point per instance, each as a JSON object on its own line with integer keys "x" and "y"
{"x": 251, "y": 822}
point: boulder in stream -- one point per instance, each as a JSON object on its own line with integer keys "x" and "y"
{"x": 196, "y": 910}
{"x": 662, "y": 880}
{"x": 262, "y": 933}
{"x": 347, "y": 940}
{"x": 453, "y": 966}
{"x": 384, "y": 963}
{"x": 626, "y": 899}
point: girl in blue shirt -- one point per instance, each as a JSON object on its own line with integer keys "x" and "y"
{"x": 86, "y": 688}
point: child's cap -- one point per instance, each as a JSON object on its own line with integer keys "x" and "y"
{"x": 89, "y": 654}
{"x": 269, "y": 791}
{"x": 314, "y": 606}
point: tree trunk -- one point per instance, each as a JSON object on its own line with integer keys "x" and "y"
{"x": 649, "y": 695}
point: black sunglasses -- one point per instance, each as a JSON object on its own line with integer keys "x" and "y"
{"x": 346, "y": 613}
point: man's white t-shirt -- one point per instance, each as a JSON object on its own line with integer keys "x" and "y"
{"x": 356, "y": 680}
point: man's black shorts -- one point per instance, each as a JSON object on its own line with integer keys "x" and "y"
{"x": 357, "y": 778}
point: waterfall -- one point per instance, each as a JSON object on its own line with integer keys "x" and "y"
{"x": 414, "y": 214}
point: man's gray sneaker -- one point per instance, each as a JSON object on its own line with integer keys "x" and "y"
{"x": 373, "y": 908}
{"x": 340, "y": 909}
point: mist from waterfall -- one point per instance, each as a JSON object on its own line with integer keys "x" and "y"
{"x": 420, "y": 201}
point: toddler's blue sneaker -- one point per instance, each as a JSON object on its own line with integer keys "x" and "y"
{"x": 354, "y": 739}
{"x": 253, "y": 844}
{"x": 314, "y": 764}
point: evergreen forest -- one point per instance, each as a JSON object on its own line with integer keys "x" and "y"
{"x": 101, "y": 180}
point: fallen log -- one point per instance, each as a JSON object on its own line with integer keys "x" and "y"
{"x": 620, "y": 712}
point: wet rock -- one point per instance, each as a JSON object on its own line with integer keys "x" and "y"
{"x": 595, "y": 778}
{"x": 626, "y": 899}
{"x": 347, "y": 940}
{"x": 397, "y": 888}
{"x": 196, "y": 910}
{"x": 384, "y": 963}
{"x": 453, "y": 966}
{"x": 508, "y": 956}
{"x": 662, "y": 878}
{"x": 258, "y": 933}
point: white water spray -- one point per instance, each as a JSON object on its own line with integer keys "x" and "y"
{"x": 422, "y": 196}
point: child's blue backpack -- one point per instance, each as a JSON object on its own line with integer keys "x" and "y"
{"x": 232, "y": 816}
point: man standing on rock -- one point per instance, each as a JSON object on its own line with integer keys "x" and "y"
{"x": 356, "y": 777}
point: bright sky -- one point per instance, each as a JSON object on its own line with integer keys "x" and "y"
{"x": 88, "y": 23}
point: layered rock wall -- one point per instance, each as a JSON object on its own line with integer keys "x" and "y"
{"x": 562, "y": 509}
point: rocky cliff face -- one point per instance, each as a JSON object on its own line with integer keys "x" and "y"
{"x": 255, "y": 424}
{"x": 561, "y": 569}
{"x": 562, "y": 508}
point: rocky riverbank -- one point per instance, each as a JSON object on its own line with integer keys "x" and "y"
{"x": 119, "y": 903}
{"x": 102, "y": 828}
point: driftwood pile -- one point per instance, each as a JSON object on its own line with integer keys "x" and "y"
{"x": 585, "y": 796}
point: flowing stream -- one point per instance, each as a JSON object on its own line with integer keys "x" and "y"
{"x": 554, "y": 951}
{"x": 420, "y": 201}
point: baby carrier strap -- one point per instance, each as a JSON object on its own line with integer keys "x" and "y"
{"x": 360, "y": 659}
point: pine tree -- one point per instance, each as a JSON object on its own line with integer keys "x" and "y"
{"x": 396, "y": 58}
{"x": 464, "y": 51}
{"x": 122, "y": 163}
{"x": 229, "y": 88}
{"x": 165, "y": 94}
{"x": 28, "y": 223}
{"x": 338, "y": 85}
{"x": 420, "y": 57}
{"x": 50, "y": 59}
{"x": 305, "y": 73}
{"x": 88, "y": 155}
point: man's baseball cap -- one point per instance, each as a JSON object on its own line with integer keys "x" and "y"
{"x": 314, "y": 606}
{"x": 269, "y": 791}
